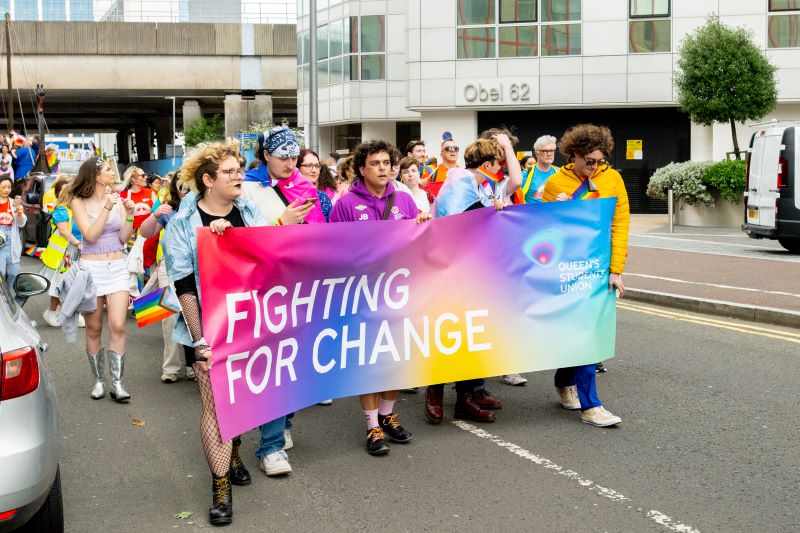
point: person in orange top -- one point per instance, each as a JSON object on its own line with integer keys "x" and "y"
{"x": 587, "y": 176}
{"x": 449, "y": 154}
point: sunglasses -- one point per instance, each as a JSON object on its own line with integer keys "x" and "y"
{"x": 451, "y": 149}
{"x": 594, "y": 162}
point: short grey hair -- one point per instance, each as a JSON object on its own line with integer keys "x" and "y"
{"x": 544, "y": 140}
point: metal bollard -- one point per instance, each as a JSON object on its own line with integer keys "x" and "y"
{"x": 670, "y": 210}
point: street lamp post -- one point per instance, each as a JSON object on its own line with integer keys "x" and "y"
{"x": 313, "y": 120}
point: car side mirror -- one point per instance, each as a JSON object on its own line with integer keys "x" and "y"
{"x": 32, "y": 198}
{"x": 27, "y": 285}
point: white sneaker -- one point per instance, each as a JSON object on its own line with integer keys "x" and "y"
{"x": 169, "y": 378}
{"x": 599, "y": 416}
{"x": 569, "y": 397}
{"x": 326, "y": 402}
{"x": 513, "y": 379}
{"x": 287, "y": 436}
{"x": 276, "y": 464}
{"x": 81, "y": 321}
{"x": 190, "y": 375}
{"x": 51, "y": 318}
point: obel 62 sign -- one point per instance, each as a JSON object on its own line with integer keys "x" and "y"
{"x": 495, "y": 92}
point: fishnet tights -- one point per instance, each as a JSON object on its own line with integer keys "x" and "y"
{"x": 218, "y": 453}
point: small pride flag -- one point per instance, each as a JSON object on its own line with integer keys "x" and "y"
{"x": 33, "y": 251}
{"x": 155, "y": 306}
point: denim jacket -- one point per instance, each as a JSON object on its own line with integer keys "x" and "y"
{"x": 180, "y": 247}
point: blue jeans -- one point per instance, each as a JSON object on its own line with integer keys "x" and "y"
{"x": 271, "y": 437}
{"x": 584, "y": 377}
{"x": 9, "y": 270}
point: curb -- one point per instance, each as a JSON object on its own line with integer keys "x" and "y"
{"x": 767, "y": 315}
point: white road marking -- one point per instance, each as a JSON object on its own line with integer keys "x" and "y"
{"x": 716, "y": 285}
{"x": 776, "y": 254}
{"x": 656, "y": 516}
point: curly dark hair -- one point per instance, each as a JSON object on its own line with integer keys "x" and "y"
{"x": 368, "y": 148}
{"x": 584, "y": 139}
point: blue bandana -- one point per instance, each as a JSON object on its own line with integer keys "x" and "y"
{"x": 280, "y": 142}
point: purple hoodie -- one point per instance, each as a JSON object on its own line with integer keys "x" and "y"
{"x": 360, "y": 204}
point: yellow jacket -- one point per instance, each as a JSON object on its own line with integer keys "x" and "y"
{"x": 610, "y": 185}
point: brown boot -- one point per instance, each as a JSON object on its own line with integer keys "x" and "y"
{"x": 467, "y": 408}
{"x": 434, "y": 396}
{"x": 486, "y": 400}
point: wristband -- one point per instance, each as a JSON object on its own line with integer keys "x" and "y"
{"x": 128, "y": 219}
{"x": 108, "y": 208}
{"x": 280, "y": 222}
{"x": 200, "y": 342}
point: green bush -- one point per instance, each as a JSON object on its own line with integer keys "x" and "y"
{"x": 203, "y": 131}
{"x": 685, "y": 180}
{"x": 727, "y": 177}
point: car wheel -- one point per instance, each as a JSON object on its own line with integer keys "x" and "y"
{"x": 793, "y": 245}
{"x": 50, "y": 517}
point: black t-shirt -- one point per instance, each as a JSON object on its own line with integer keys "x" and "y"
{"x": 187, "y": 285}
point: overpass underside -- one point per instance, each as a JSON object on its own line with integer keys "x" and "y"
{"x": 121, "y": 77}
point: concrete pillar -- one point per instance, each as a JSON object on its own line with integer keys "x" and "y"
{"x": 235, "y": 114}
{"x": 144, "y": 143}
{"x": 260, "y": 109}
{"x": 123, "y": 146}
{"x": 163, "y": 135}
{"x": 463, "y": 124}
{"x": 326, "y": 141}
{"x": 379, "y": 131}
{"x": 191, "y": 112}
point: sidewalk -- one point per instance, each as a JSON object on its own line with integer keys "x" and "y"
{"x": 714, "y": 270}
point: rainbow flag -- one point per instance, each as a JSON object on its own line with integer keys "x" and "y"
{"x": 426, "y": 171}
{"x": 491, "y": 179}
{"x": 155, "y": 306}
{"x": 33, "y": 251}
{"x": 586, "y": 191}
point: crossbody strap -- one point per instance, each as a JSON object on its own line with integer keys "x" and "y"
{"x": 389, "y": 204}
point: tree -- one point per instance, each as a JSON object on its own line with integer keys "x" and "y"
{"x": 724, "y": 77}
{"x": 203, "y": 131}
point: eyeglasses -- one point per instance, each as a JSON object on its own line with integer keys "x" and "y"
{"x": 450, "y": 149}
{"x": 546, "y": 151}
{"x": 312, "y": 166}
{"x": 232, "y": 173}
{"x": 594, "y": 162}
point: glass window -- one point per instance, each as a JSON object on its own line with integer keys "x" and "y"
{"x": 518, "y": 41}
{"x": 517, "y": 11}
{"x": 783, "y": 31}
{"x": 26, "y": 10}
{"x": 81, "y": 10}
{"x": 322, "y": 73}
{"x": 353, "y": 35}
{"x": 561, "y": 39}
{"x": 560, "y": 10}
{"x": 306, "y": 47}
{"x": 475, "y": 12}
{"x": 373, "y": 67}
{"x": 475, "y": 43}
{"x": 54, "y": 10}
{"x": 784, "y": 5}
{"x": 299, "y": 48}
{"x": 373, "y": 34}
{"x": 299, "y": 79}
{"x": 649, "y": 8}
{"x": 336, "y": 37}
{"x": 4, "y": 6}
{"x": 650, "y": 36}
{"x": 351, "y": 68}
{"x": 322, "y": 42}
{"x": 306, "y": 76}
{"x": 336, "y": 70}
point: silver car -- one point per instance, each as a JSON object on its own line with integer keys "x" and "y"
{"x": 30, "y": 485}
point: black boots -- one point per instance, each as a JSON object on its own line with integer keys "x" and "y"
{"x": 221, "y": 512}
{"x": 239, "y": 474}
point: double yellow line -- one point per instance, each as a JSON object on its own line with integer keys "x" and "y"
{"x": 778, "y": 334}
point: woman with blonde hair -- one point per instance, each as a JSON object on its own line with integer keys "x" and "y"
{"x": 215, "y": 175}
{"x": 106, "y": 221}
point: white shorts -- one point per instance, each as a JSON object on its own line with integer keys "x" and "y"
{"x": 109, "y": 276}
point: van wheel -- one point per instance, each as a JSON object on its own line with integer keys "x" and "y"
{"x": 793, "y": 245}
{"x": 50, "y": 517}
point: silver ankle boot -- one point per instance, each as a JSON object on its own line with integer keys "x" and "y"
{"x": 116, "y": 362}
{"x": 96, "y": 364}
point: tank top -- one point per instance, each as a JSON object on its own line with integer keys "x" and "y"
{"x": 108, "y": 241}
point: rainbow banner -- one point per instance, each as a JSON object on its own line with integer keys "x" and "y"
{"x": 155, "y": 306}
{"x": 300, "y": 314}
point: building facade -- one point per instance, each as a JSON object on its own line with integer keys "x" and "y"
{"x": 400, "y": 69}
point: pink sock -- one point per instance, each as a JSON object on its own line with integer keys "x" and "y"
{"x": 386, "y": 407}
{"x": 371, "y": 418}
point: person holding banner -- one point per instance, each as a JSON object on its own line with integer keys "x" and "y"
{"x": 587, "y": 176}
{"x": 474, "y": 187}
{"x": 98, "y": 213}
{"x": 373, "y": 197}
{"x": 214, "y": 172}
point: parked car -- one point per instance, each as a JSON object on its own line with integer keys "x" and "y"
{"x": 30, "y": 483}
{"x": 772, "y": 206}
{"x": 32, "y": 188}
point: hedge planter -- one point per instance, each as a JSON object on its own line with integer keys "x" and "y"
{"x": 723, "y": 214}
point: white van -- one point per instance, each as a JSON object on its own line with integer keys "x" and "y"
{"x": 772, "y": 194}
